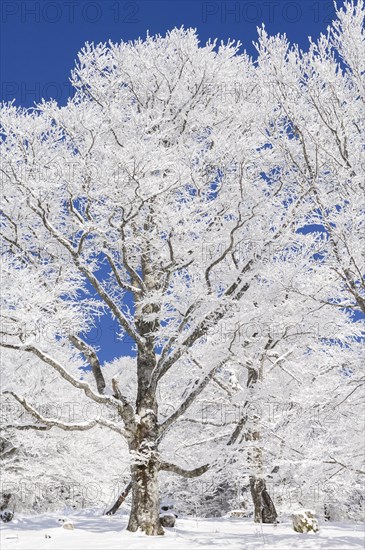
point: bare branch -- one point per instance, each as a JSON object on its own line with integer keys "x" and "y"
{"x": 216, "y": 380}
{"x": 120, "y": 499}
{"x": 126, "y": 410}
{"x": 168, "y": 467}
{"x": 88, "y": 274}
{"x": 334, "y": 461}
{"x": 91, "y": 356}
{"x": 25, "y": 427}
{"x": 122, "y": 284}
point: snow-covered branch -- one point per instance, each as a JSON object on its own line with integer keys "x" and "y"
{"x": 67, "y": 426}
{"x": 168, "y": 467}
{"x": 63, "y": 372}
{"x": 93, "y": 360}
{"x": 199, "y": 387}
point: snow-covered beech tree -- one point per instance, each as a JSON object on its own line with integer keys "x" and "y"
{"x": 161, "y": 197}
{"x": 314, "y": 112}
{"x": 315, "y": 126}
{"x": 311, "y": 97}
{"x": 124, "y": 190}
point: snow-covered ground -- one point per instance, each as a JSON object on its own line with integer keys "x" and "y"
{"x": 108, "y": 533}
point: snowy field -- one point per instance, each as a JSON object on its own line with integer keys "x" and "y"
{"x": 94, "y": 533}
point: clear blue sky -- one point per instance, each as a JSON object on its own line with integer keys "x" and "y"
{"x": 40, "y": 40}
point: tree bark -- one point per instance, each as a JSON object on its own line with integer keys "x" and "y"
{"x": 145, "y": 468}
{"x": 4, "y": 502}
{"x": 144, "y": 471}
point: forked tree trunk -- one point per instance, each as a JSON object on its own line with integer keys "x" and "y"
{"x": 143, "y": 443}
{"x": 265, "y": 511}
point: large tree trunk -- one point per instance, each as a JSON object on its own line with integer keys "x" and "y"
{"x": 264, "y": 508}
{"x": 144, "y": 470}
{"x": 145, "y": 500}
{"x": 265, "y": 511}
